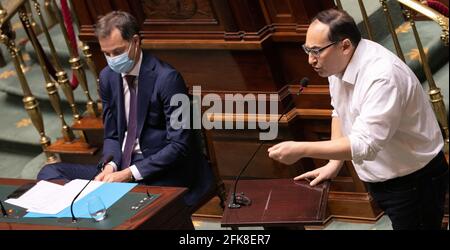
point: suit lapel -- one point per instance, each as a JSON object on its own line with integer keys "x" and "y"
{"x": 146, "y": 84}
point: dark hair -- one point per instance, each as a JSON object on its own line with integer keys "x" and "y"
{"x": 123, "y": 21}
{"x": 341, "y": 24}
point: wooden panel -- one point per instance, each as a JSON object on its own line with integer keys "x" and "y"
{"x": 248, "y": 15}
{"x": 238, "y": 25}
{"x": 234, "y": 149}
{"x": 178, "y": 12}
{"x": 249, "y": 20}
{"x": 222, "y": 70}
{"x": 180, "y": 19}
{"x": 285, "y": 11}
{"x": 353, "y": 206}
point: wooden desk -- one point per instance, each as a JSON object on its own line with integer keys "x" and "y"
{"x": 278, "y": 203}
{"x": 168, "y": 211}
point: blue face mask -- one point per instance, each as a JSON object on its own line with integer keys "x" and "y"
{"x": 121, "y": 63}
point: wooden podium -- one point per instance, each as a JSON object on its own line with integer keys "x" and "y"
{"x": 279, "y": 203}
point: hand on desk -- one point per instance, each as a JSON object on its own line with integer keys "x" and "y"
{"x": 108, "y": 175}
{"x": 108, "y": 169}
{"x": 119, "y": 176}
{"x": 318, "y": 175}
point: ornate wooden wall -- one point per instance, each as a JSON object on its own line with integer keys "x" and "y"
{"x": 240, "y": 46}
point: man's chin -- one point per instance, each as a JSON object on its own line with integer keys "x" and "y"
{"x": 323, "y": 74}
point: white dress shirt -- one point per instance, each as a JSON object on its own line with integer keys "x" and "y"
{"x": 126, "y": 94}
{"x": 385, "y": 113}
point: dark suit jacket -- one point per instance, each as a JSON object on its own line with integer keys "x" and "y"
{"x": 170, "y": 156}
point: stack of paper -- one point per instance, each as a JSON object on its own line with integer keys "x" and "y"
{"x": 50, "y": 198}
{"x": 47, "y": 199}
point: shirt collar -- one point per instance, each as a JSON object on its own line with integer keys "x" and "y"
{"x": 353, "y": 67}
{"x": 137, "y": 67}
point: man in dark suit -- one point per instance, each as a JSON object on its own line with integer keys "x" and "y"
{"x": 136, "y": 90}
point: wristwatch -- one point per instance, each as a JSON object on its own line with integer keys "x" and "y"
{"x": 132, "y": 178}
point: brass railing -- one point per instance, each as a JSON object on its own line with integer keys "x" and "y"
{"x": 28, "y": 11}
{"x": 2, "y": 16}
{"x": 77, "y": 66}
{"x": 30, "y": 102}
{"x": 410, "y": 9}
{"x": 431, "y": 14}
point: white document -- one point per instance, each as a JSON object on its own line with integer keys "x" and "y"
{"x": 49, "y": 198}
{"x": 36, "y": 195}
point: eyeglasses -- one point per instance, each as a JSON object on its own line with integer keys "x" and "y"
{"x": 316, "y": 51}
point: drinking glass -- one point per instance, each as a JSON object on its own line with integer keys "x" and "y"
{"x": 96, "y": 208}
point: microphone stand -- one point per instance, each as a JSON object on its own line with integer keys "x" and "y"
{"x": 100, "y": 165}
{"x": 4, "y": 213}
{"x": 240, "y": 199}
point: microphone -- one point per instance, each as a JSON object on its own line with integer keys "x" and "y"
{"x": 4, "y": 213}
{"x": 238, "y": 200}
{"x": 100, "y": 165}
{"x": 303, "y": 84}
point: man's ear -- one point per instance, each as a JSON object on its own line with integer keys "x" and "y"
{"x": 347, "y": 46}
{"x": 136, "y": 43}
{"x": 137, "y": 39}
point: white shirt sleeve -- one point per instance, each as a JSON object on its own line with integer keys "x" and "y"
{"x": 333, "y": 112}
{"x": 379, "y": 118}
{"x": 135, "y": 172}
{"x": 113, "y": 164}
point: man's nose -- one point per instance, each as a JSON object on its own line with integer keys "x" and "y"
{"x": 312, "y": 59}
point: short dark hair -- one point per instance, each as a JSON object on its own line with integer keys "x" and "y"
{"x": 123, "y": 21}
{"x": 341, "y": 24}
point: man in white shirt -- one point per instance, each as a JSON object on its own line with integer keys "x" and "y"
{"x": 382, "y": 121}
